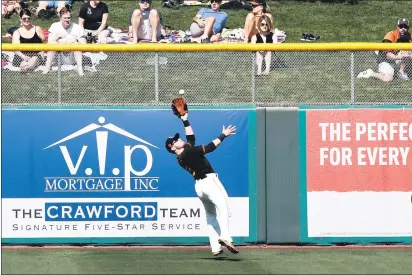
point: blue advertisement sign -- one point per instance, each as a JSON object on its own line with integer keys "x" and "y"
{"x": 93, "y": 153}
{"x": 111, "y": 166}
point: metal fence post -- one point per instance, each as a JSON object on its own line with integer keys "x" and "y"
{"x": 59, "y": 77}
{"x": 352, "y": 78}
{"x": 156, "y": 68}
{"x": 253, "y": 77}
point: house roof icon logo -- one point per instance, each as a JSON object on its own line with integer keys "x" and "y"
{"x": 94, "y": 126}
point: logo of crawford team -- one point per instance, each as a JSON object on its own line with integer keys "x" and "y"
{"x": 98, "y": 178}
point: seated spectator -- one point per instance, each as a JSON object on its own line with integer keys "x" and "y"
{"x": 9, "y": 7}
{"x": 27, "y": 33}
{"x": 145, "y": 23}
{"x": 48, "y": 9}
{"x": 163, "y": 31}
{"x": 65, "y": 32}
{"x": 264, "y": 35}
{"x": 209, "y": 23}
{"x": 389, "y": 61}
{"x": 260, "y": 8}
{"x": 93, "y": 19}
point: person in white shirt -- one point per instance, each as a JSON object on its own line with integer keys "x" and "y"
{"x": 65, "y": 32}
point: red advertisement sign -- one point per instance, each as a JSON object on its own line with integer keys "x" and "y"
{"x": 352, "y": 150}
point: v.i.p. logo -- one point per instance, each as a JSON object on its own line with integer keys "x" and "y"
{"x": 132, "y": 179}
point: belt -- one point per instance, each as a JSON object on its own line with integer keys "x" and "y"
{"x": 206, "y": 176}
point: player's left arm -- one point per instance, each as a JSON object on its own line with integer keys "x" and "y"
{"x": 190, "y": 135}
{"x": 230, "y": 130}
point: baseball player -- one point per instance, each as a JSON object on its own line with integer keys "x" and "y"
{"x": 208, "y": 187}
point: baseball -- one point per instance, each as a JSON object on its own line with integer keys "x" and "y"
{"x": 181, "y": 92}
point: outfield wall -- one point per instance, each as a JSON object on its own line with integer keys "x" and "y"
{"x": 309, "y": 175}
{"x": 104, "y": 176}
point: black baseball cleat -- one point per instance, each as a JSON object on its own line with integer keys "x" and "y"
{"x": 228, "y": 245}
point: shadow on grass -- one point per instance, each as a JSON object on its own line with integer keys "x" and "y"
{"x": 223, "y": 259}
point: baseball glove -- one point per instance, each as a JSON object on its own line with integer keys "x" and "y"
{"x": 179, "y": 106}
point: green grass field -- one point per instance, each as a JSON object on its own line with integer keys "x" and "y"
{"x": 171, "y": 261}
{"x": 226, "y": 78}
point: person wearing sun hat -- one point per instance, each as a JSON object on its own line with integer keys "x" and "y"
{"x": 260, "y": 7}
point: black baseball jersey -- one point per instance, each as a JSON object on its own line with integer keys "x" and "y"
{"x": 193, "y": 159}
{"x": 93, "y": 16}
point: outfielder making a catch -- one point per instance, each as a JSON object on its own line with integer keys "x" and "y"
{"x": 208, "y": 187}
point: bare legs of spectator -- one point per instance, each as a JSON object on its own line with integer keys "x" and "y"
{"x": 29, "y": 65}
{"x": 102, "y": 36}
{"x": 249, "y": 25}
{"x": 79, "y": 62}
{"x": 62, "y": 4}
{"x": 44, "y": 4}
{"x": 260, "y": 57}
{"x": 209, "y": 27}
{"x": 137, "y": 20}
{"x": 382, "y": 77}
{"x": 154, "y": 20}
{"x": 77, "y": 56}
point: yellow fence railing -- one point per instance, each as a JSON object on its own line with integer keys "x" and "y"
{"x": 218, "y": 47}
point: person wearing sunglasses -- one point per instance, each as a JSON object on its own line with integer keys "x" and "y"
{"x": 209, "y": 23}
{"x": 93, "y": 17}
{"x": 391, "y": 61}
{"x": 27, "y": 33}
{"x": 145, "y": 23}
{"x": 264, "y": 35}
{"x": 260, "y": 7}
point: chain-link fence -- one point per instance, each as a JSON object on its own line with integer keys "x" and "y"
{"x": 209, "y": 78}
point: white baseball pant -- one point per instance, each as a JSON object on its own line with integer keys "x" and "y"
{"x": 216, "y": 203}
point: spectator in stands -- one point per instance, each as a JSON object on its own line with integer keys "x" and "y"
{"x": 264, "y": 35}
{"x": 93, "y": 19}
{"x": 260, "y": 7}
{"x": 65, "y": 32}
{"x": 48, "y": 9}
{"x": 389, "y": 61}
{"x": 9, "y": 7}
{"x": 27, "y": 33}
{"x": 209, "y": 23}
{"x": 145, "y": 23}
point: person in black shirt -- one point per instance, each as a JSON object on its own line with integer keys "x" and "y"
{"x": 264, "y": 35}
{"x": 208, "y": 187}
{"x": 93, "y": 19}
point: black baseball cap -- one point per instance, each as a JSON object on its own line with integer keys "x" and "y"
{"x": 403, "y": 21}
{"x": 258, "y": 3}
{"x": 148, "y": 1}
{"x": 170, "y": 141}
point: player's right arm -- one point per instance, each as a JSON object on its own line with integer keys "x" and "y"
{"x": 217, "y": 141}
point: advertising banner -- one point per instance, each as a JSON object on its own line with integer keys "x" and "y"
{"x": 107, "y": 173}
{"x": 358, "y": 171}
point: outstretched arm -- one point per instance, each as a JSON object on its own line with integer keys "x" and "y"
{"x": 216, "y": 142}
{"x": 190, "y": 135}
